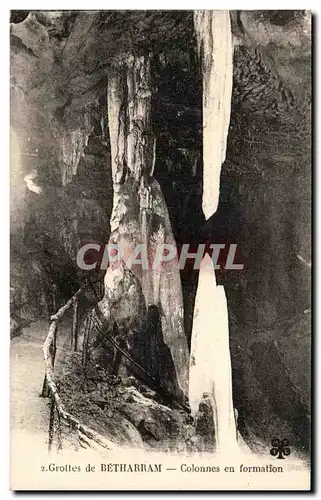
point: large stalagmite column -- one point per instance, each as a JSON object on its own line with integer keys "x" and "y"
{"x": 140, "y": 217}
{"x": 210, "y": 363}
{"x": 210, "y": 367}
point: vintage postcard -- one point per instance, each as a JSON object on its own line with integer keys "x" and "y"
{"x": 160, "y": 294}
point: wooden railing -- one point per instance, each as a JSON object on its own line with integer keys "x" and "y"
{"x": 58, "y": 414}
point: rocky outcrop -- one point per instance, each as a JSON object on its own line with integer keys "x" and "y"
{"x": 129, "y": 412}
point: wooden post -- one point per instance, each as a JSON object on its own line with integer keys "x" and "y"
{"x": 74, "y": 331}
{"x": 59, "y": 439}
{"x": 51, "y": 422}
{"x": 54, "y": 344}
{"x": 45, "y": 389}
{"x": 86, "y": 340}
{"x": 101, "y": 289}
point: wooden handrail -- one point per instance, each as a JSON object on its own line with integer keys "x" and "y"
{"x": 50, "y": 387}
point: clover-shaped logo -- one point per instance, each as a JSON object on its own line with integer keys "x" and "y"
{"x": 280, "y": 449}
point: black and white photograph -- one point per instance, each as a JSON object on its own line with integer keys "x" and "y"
{"x": 160, "y": 250}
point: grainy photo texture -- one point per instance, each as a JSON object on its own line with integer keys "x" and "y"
{"x": 160, "y": 309}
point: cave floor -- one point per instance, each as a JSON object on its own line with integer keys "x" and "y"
{"x": 29, "y": 416}
{"x": 29, "y": 412}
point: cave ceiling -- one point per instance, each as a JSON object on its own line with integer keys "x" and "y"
{"x": 60, "y": 62}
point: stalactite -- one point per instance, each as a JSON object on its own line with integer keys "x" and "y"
{"x": 116, "y": 122}
{"x": 72, "y": 146}
{"x": 214, "y": 38}
{"x": 139, "y": 114}
{"x": 72, "y": 143}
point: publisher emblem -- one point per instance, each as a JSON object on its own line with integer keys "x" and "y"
{"x": 280, "y": 449}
